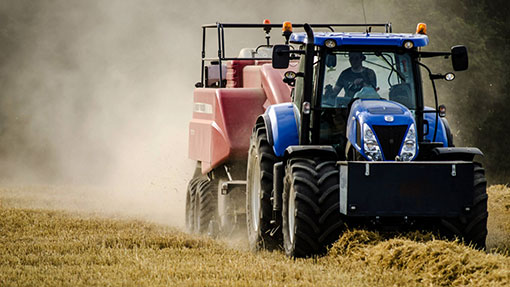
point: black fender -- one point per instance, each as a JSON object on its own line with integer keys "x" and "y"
{"x": 310, "y": 151}
{"x": 455, "y": 153}
{"x": 323, "y": 151}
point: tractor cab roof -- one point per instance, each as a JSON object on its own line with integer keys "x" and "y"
{"x": 358, "y": 38}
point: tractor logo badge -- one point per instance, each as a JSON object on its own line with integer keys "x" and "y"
{"x": 388, "y": 118}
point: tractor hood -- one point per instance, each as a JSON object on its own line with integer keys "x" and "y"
{"x": 391, "y": 124}
{"x": 381, "y": 112}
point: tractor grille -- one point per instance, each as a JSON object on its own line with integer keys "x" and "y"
{"x": 390, "y": 139}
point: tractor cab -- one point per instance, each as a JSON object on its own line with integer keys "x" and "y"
{"x": 346, "y": 76}
{"x": 366, "y": 84}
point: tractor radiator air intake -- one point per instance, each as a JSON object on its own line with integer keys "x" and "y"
{"x": 390, "y": 139}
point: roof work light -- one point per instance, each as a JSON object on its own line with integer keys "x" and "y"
{"x": 330, "y": 43}
{"x": 408, "y": 44}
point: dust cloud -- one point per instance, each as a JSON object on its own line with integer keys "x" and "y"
{"x": 96, "y": 98}
{"x": 96, "y": 95}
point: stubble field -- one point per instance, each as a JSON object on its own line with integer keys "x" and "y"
{"x": 41, "y": 246}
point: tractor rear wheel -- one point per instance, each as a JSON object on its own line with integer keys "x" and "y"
{"x": 259, "y": 207}
{"x": 472, "y": 227}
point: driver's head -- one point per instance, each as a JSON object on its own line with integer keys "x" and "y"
{"x": 356, "y": 58}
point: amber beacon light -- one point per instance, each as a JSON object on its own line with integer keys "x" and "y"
{"x": 286, "y": 31}
{"x": 267, "y": 29}
{"x": 421, "y": 28}
{"x": 287, "y": 27}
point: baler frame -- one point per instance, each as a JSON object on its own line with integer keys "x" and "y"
{"x": 220, "y": 27}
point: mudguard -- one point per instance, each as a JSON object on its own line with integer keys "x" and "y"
{"x": 324, "y": 151}
{"x": 442, "y": 134}
{"x": 281, "y": 123}
{"x": 456, "y": 153}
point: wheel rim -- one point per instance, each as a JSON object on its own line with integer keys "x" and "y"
{"x": 292, "y": 213}
{"x": 255, "y": 197}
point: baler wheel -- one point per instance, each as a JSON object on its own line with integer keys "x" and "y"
{"x": 472, "y": 228}
{"x": 190, "y": 205}
{"x": 206, "y": 205}
{"x": 259, "y": 186}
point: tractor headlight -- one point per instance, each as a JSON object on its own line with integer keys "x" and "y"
{"x": 372, "y": 149}
{"x": 408, "y": 150}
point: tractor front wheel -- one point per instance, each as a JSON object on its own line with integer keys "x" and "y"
{"x": 311, "y": 206}
{"x": 300, "y": 209}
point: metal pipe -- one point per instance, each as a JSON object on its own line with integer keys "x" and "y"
{"x": 219, "y": 54}
{"x": 203, "y": 58}
{"x": 308, "y": 84}
{"x": 222, "y": 41}
{"x": 244, "y": 25}
{"x": 435, "y": 99}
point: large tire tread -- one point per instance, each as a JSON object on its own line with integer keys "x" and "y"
{"x": 190, "y": 205}
{"x": 317, "y": 221}
{"x": 259, "y": 147}
{"x": 472, "y": 228}
{"x": 207, "y": 205}
{"x": 331, "y": 220}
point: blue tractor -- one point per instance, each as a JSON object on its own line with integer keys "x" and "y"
{"x": 357, "y": 147}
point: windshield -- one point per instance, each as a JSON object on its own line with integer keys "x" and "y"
{"x": 367, "y": 75}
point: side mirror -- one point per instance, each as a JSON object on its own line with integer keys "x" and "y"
{"x": 281, "y": 56}
{"x": 331, "y": 61}
{"x": 459, "y": 58}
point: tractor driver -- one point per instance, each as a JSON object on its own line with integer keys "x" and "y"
{"x": 352, "y": 79}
